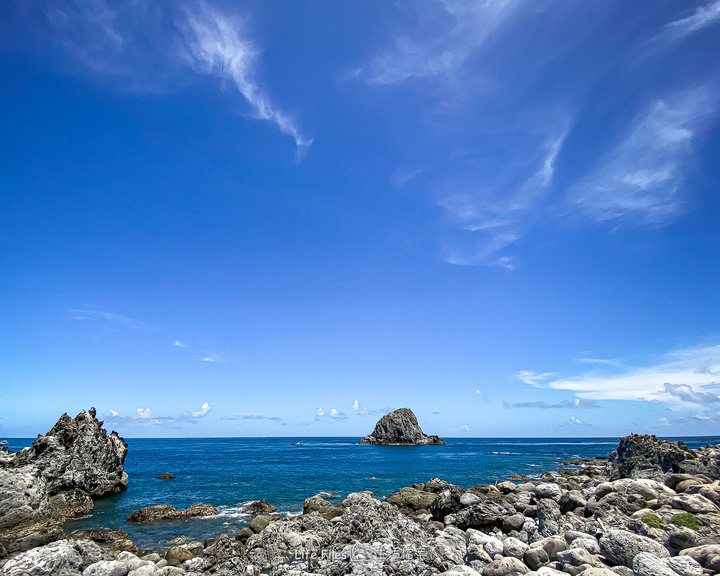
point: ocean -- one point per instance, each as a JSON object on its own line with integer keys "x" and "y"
{"x": 231, "y": 472}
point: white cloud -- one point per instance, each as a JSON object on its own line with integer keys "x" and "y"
{"x": 465, "y": 427}
{"x": 211, "y": 357}
{"x": 179, "y": 344}
{"x": 574, "y": 420}
{"x": 217, "y": 47}
{"x": 664, "y": 422}
{"x": 333, "y": 414}
{"x": 114, "y": 413}
{"x": 642, "y": 177}
{"x": 144, "y": 413}
{"x": 703, "y": 17}
{"x": 361, "y": 410}
{"x": 204, "y": 409}
{"x": 208, "y": 359}
{"x": 695, "y": 368}
{"x": 534, "y": 378}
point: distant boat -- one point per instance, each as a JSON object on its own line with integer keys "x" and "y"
{"x": 298, "y": 443}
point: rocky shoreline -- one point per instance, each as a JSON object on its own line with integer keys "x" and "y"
{"x": 651, "y": 509}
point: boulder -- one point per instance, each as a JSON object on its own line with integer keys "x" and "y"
{"x": 318, "y": 504}
{"x": 166, "y": 476}
{"x": 399, "y": 427}
{"x": 505, "y": 567}
{"x": 259, "y": 507}
{"x": 169, "y": 512}
{"x": 621, "y": 547}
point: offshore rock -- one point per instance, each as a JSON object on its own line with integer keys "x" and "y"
{"x": 169, "y": 512}
{"x": 399, "y": 427}
{"x": 57, "y": 478}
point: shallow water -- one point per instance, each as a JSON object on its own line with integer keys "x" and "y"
{"x": 231, "y": 472}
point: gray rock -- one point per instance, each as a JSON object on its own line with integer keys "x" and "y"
{"x": 621, "y": 547}
{"x": 548, "y": 490}
{"x": 259, "y": 507}
{"x": 483, "y": 514}
{"x": 468, "y": 499}
{"x": 514, "y": 548}
{"x": 61, "y": 558}
{"x": 57, "y": 477}
{"x": 643, "y": 456}
{"x": 169, "y": 512}
{"x": 536, "y": 557}
{"x": 684, "y": 566}
{"x": 513, "y": 522}
{"x": 646, "y": 564}
{"x": 694, "y": 503}
{"x": 106, "y": 568}
{"x": 505, "y": 567}
{"x": 571, "y": 500}
{"x": 597, "y": 571}
{"x": 399, "y": 427}
{"x": 448, "y": 502}
{"x": 318, "y": 504}
{"x": 702, "y": 554}
{"x": 681, "y": 539}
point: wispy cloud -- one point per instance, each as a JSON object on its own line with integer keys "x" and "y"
{"x": 179, "y": 344}
{"x": 703, "y": 17}
{"x": 218, "y": 47}
{"x": 447, "y": 33}
{"x": 212, "y": 357}
{"x": 493, "y": 203}
{"x": 91, "y": 313}
{"x": 142, "y": 46}
{"x": 692, "y": 367}
{"x": 642, "y": 178}
{"x": 254, "y": 417}
{"x": 575, "y": 404}
{"x": 534, "y": 378}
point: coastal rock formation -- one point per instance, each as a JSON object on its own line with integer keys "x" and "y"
{"x": 399, "y": 427}
{"x": 644, "y": 456}
{"x": 57, "y": 478}
{"x": 169, "y": 512}
{"x": 579, "y": 521}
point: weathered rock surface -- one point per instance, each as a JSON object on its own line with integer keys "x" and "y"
{"x": 643, "y": 456}
{"x": 169, "y": 512}
{"x": 399, "y": 427}
{"x": 57, "y": 478}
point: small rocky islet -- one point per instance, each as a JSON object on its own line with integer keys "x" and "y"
{"x": 651, "y": 509}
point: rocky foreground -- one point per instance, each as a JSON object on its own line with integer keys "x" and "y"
{"x": 652, "y": 510}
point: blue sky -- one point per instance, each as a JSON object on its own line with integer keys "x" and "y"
{"x": 287, "y": 218}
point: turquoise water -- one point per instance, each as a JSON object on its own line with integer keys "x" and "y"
{"x": 231, "y": 472}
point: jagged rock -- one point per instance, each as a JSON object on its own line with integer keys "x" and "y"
{"x": 166, "y": 476}
{"x": 169, "y": 512}
{"x": 399, "y": 427}
{"x": 61, "y": 558}
{"x": 57, "y": 478}
{"x": 259, "y": 507}
{"x": 449, "y": 502}
{"x": 694, "y": 503}
{"x": 480, "y": 515}
{"x": 684, "y": 566}
{"x": 644, "y": 456}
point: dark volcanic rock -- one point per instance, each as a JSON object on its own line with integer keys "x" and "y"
{"x": 399, "y": 427}
{"x": 57, "y": 478}
{"x": 259, "y": 507}
{"x": 643, "y": 456}
{"x": 166, "y": 476}
{"x": 169, "y": 512}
